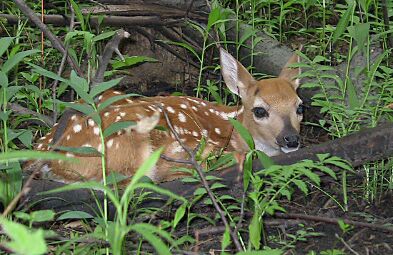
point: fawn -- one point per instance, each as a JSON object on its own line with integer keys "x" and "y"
{"x": 271, "y": 110}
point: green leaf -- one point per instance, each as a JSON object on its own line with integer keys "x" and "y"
{"x": 360, "y": 33}
{"x": 5, "y": 42}
{"x": 12, "y": 91}
{"x": 116, "y": 126}
{"x": 47, "y": 73}
{"x": 157, "y": 189}
{"x": 26, "y": 154}
{"x": 79, "y": 150}
{"x": 327, "y": 170}
{"x": 217, "y": 185}
{"x": 83, "y": 108}
{"x": 344, "y": 21}
{"x": 301, "y": 185}
{"x": 112, "y": 100}
{"x": 78, "y": 14}
{"x": 214, "y": 16}
{"x": 42, "y": 215}
{"x": 3, "y": 79}
{"x": 339, "y": 162}
{"x": 104, "y": 86}
{"x": 103, "y": 36}
{"x": 187, "y": 47}
{"x": 81, "y": 87}
{"x": 200, "y": 191}
{"x": 226, "y": 239}
{"x": 255, "y": 229}
{"x": 22, "y": 215}
{"x": 156, "y": 242}
{"x": 23, "y": 240}
{"x": 180, "y": 212}
{"x": 244, "y": 133}
{"x": 260, "y": 252}
{"x": 131, "y": 61}
{"x": 266, "y": 161}
{"x": 353, "y": 99}
{"x": 14, "y": 60}
{"x": 75, "y": 215}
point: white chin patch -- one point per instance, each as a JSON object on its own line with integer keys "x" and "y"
{"x": 287, "y": 150}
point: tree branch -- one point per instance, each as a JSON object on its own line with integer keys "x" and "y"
{"x": 56, "y": 43}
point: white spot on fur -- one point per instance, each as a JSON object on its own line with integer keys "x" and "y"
{"x": 211, "y": 110}
{"x": 55, "y": 124}
{"x": 151, "y": 108}
{"x": 203, "y": 103}
{"x": 99, "y": 148}
{"x": 100, "y": 98}
{"x": 77, "y": 128}
{"x": 43, "y": 138}
{"x": 206, "y": 113}
{"x": 218, "y": 131}
{"x": 117, "y": 145}
{"x": 109, "y": 143}
{"x": 69, "y": 155}
{"x": 73, "y": 117}
{"x": 39, "y": 146}
{"x": 106, "y": 114}
{"x": 91, "y": 122}
{"x": 175, "y": 147}
{"x": 170, "y": 109}
{"x": 122, "y": 114}
{"x": 195, "y": 133}
{"x": 204, "y": 132}
{"x": 96, "y": 130}
{"x": 194, "y": 108}
{"x": 116, "y": 92}
{"x": 117, "y": 109}
{"x": 86, "y": 145}
{"x": 129, "y": 100}
{"x": 118, "y": 118}
{"x": 214, "y": 142}
{"x": 68, "y": 137}
{"x": 182, "y": 117}
{"x": 50, "y": 140}
{"x": 183, "y": 106}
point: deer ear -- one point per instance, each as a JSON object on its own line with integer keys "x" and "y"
{"x": 290, "y": 74}
{"x": 236, "y": 76}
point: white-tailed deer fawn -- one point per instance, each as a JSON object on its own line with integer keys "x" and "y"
{"x": 271, "y": 110}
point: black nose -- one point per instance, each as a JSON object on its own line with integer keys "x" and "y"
{"x": 292, "y": 141}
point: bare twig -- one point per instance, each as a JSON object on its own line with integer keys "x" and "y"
{"x": 56, "y": 43}
{"x": 16, "y": 108}
{"x": 110, "y": 47}
{"x": 199, "y": 169}
{"x": 346, "y": 244}
{"x": 332, "y": 220}
{"x": 62, "y": 64}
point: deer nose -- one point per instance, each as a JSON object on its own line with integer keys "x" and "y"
{"x": 292, "y": 141}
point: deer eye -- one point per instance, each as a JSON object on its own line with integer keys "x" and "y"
{"x": 300, "y": 109}
{"x": 260, "y": 112}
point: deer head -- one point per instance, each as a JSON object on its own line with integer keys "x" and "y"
{"x": 272, "y": 109}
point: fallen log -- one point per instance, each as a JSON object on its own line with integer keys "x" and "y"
{"x": 359, "y": 148}
{"x": 114, "y": 21}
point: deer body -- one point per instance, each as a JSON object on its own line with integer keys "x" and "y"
{"x": 271, "y": 111}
